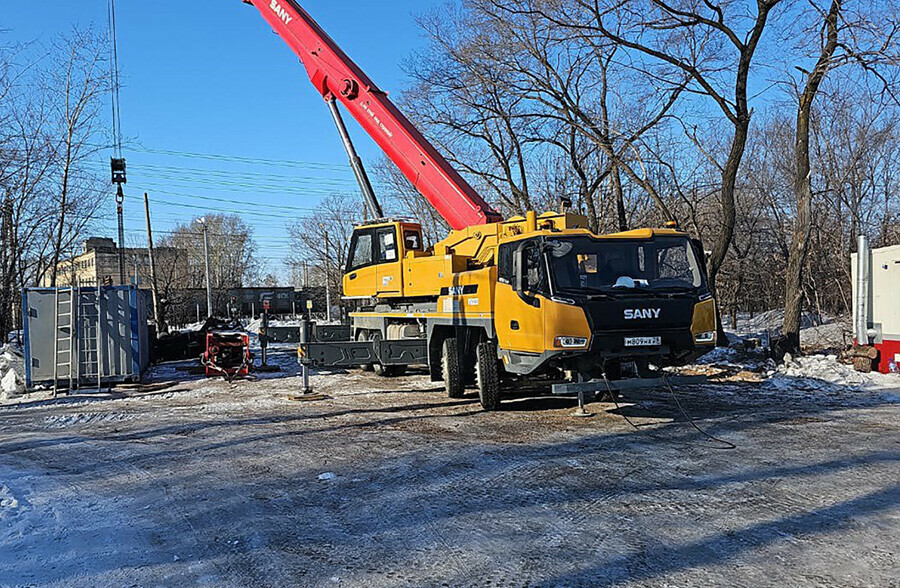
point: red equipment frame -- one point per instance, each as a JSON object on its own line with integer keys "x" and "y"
{"x": 336, "y": 76}
{"x": 227, "y": 354}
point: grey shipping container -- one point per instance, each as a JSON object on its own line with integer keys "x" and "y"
{"x": 110, "y": 341}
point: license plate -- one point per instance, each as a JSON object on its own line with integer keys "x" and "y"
{"x": 643, "y": 341}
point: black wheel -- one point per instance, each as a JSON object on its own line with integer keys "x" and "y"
{"x": 487, "y": 375}
{"x": 613, "y": 370}
{"x": 450, "y": 369}
{"x": 385, "y": 371}
{"x": 363, "y": 336}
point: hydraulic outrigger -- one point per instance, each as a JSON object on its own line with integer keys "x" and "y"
{"x": 531, "y": 295}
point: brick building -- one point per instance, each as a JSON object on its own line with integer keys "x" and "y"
{"x": 99, "y": 260}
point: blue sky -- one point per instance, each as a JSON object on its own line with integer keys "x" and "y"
{"x": 209, "y": 78}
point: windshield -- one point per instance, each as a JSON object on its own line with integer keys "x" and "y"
{"x": 663, "y": 263}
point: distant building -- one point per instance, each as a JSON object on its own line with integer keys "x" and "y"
{"x": 99, "y": 261}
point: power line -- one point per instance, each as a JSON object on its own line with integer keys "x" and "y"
{"x": 275, "y": 181}
{"x": 244, "y": 159}
{"x": 245, "y": 203}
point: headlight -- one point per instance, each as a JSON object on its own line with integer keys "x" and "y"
{"x": 570, "y": 342}
{"x": 707, "y": 337}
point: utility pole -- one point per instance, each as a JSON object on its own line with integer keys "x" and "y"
{"x": 327, "y": 280}
{"x": 159, "y": 315}
{"x": 209, "y": 298}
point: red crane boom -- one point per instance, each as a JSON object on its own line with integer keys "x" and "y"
{"x": 336, "y": 76}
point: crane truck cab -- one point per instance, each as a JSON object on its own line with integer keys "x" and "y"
{"x": 581, "y": 304}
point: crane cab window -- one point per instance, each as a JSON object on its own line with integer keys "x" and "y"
{"x": 361, "y": 250}
{"x": 535, "y": 269}
{"x": 387, "y": 244}
{"x": 372, "y": 246}
{"x": 412, "y": 240}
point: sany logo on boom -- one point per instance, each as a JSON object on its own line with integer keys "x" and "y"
{"x": 281, "y": 12}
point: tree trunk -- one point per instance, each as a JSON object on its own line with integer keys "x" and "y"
{"x": 63, "y": 203}
{"x": 793, "y": 306}
{"x": 7, "y": 274}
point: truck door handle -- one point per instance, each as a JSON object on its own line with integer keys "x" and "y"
{"x": 514, "y": 325}
{"x": 352, "y": 276}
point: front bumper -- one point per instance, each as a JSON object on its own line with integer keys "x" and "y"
{"x": 677, "y": 347}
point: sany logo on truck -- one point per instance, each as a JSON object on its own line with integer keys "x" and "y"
{"x": 281, "y": 12}
{"x": 642, "y": 313}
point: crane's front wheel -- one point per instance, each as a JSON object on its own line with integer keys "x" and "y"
{"x": 487, "y": 375}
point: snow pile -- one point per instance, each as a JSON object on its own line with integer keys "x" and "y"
{"x": 724, "y": 355}
{"x": 797, "y": 374}
{"x": 833, "y": 335}
{"x": 12, "y": 372}
{"x": 823, "y": 371}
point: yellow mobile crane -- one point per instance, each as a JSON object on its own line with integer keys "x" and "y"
{"x": 527, "y": 296}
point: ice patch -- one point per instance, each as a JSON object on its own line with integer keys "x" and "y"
{"x": 79, "y": 419}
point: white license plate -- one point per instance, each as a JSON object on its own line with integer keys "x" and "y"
{"x": 643, "y": 341}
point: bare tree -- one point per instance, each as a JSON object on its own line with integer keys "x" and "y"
{"x": 232, "y": 252}
{"x": 712, "y": 45}
{"x": 860, "y": 41}
{"x": 39, "y": 225}
{"x": 319, "y": 243}
{"x": 462, "y": 98}
{"x": 78, "y": 84}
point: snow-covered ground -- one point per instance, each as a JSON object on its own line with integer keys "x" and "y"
{"x": 385, "y": 482}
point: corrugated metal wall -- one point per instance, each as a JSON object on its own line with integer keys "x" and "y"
{"x": 117, "y": 338}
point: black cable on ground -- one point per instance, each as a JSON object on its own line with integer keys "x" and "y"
{"x": 724, "y": 444}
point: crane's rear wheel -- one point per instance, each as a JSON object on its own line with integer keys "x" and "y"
{"x": 487, "y": 375}
{"x": 364, "y": 336}
{"x": 385, "y": 371}
{"x": 450, "y": 368}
